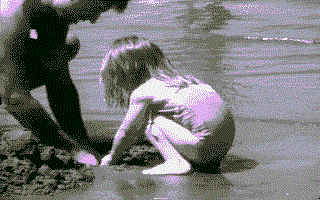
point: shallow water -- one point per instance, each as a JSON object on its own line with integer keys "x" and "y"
{"x": 269, "y": 46}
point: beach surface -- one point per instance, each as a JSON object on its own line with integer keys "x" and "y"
{"x": 268, "y": 51}
{"x": 267, "y": 161}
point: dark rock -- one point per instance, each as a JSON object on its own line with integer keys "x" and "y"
{"x": 64, "y": 156}
{"x": 141, "y": 155}
{"x": 45, "y": 170}
{"x": 28, "y": 167}
{"x": 46, "y": 153}
{"x": 16, "y": 172}
{"x": 43, "y": 185}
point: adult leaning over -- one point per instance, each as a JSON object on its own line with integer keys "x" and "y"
{"x": 28, "y": 63}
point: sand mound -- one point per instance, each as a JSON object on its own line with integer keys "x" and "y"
{"x": 28, "y": 167}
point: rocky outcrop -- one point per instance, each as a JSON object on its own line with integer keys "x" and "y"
{"x": 28, "y": 167}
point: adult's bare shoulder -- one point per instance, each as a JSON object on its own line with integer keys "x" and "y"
{"x": 13, "y": 22}
{"x": 12, "y": 27}
{"x": 10, "y": 7}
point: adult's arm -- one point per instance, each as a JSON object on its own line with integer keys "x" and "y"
{"x": 14, "y": 30}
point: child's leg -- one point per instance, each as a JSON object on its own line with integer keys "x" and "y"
{"x": 219, "y": 142}
{"x": 200, "y": 149}
{"x": 181, "y": 138}
{"x": 195, "y": 149}
{"x": 174, "y": 162}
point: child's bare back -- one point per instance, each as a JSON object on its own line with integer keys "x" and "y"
{"x": 199, "y": 101}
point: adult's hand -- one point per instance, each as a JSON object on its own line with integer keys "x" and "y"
{"x": 14, "y": 29}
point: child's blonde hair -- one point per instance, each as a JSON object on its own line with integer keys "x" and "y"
{"x": 132, "y": 61}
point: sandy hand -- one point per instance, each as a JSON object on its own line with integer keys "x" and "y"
{"x": 85, "y": 158}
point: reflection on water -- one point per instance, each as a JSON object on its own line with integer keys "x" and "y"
{"x": 229, "y": 44}
{"x": 204, "y": 17}
{"x": 118, "y": 182}
{"x": 139, "y": 187}
{"x": 201, "y": 51}
{"x": 134, "y": 185}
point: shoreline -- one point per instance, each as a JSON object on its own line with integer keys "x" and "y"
{"x": 117, "y": 118}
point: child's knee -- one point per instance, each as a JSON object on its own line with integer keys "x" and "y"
{"x": 153, "y": 130}
{"x": 159, "y": 120}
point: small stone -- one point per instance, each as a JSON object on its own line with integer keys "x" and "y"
{"x": 17, "y": 191}
{"x": 3, "y": 179}
{"x": 47, "y": 153}
{"x": 88, "y": 176}
{"x": 3, "y": 187}
{"x": 75, "y": 175}
{"x": 61, "y": 187}
{"x": 45, "y": 170}
{"x": 18, "y": 180}
{"x": 50, "y": 182}
{"x": 64, "y": 156}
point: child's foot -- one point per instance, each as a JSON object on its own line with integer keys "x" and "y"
{"x": 170, "y": 167}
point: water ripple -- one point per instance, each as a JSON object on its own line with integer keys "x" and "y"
{"x": 276, "y": 39}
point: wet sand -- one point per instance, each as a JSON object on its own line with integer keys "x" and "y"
{"x": 267, "y": 161}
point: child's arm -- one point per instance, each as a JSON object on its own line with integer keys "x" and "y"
{"x": 135, "y": 119}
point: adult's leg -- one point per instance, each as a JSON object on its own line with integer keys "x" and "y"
{"x": 65, "y": 105}
{"x": 31, "y": 115}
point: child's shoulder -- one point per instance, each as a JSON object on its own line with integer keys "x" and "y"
{"x": 149, "y": 90}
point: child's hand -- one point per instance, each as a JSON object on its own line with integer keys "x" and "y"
{"x": 85, "y": 158}
{"x": 106, "y": 160}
